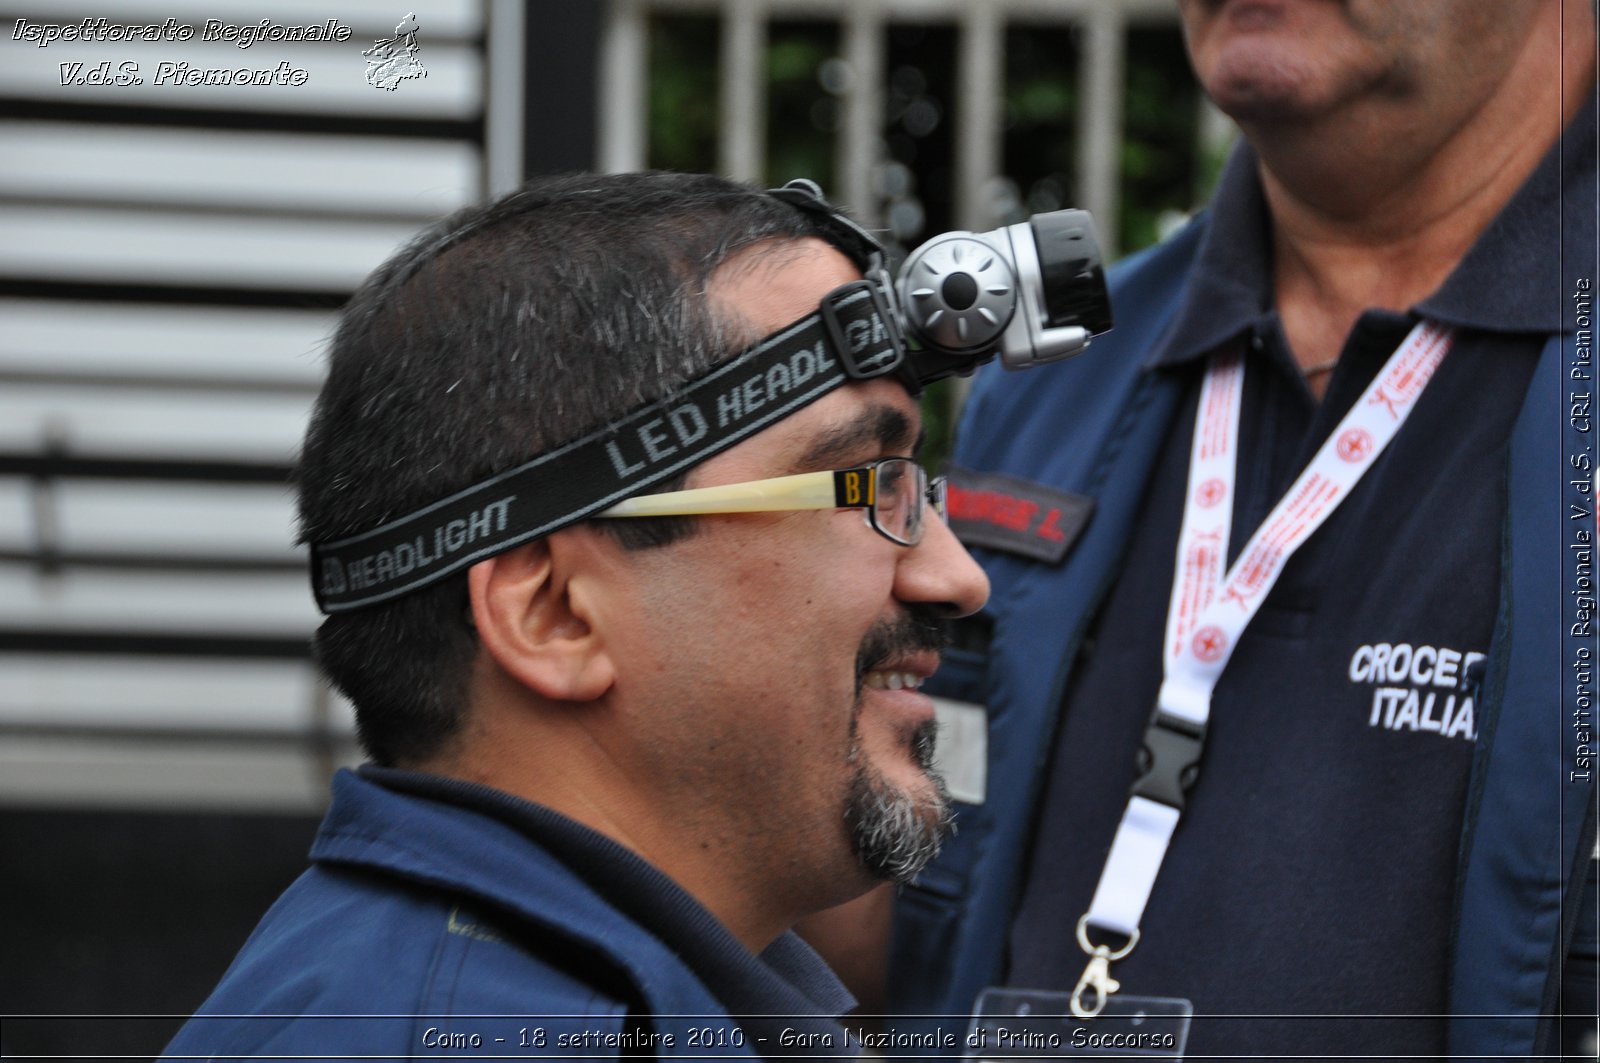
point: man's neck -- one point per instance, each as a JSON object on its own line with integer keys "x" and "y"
{"x": 558, "y": 756}
{"x": 1367, "y": 213}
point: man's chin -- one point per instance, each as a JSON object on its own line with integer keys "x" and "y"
{"x": 897, "y": 831}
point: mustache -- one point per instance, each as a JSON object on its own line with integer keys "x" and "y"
{"x": 917, "y": 629}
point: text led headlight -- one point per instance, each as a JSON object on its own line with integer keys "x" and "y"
{"x": 1030, "y": 293}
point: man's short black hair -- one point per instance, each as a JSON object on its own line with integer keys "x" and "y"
{"x": 503, "y": 331}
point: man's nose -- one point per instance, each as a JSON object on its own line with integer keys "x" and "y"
{"x": 938, "y": 572}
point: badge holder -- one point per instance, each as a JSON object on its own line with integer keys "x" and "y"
{"x": 1029, "y": 1024}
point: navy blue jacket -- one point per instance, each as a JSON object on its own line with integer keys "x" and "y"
{"x": 426, "y": 928}
{"x": 1094, "y": 427}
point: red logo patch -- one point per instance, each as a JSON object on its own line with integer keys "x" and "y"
{"x": 1210, "y": 643}
{"x": 1354, "y": 445}
{"x": 1210, "y": 493}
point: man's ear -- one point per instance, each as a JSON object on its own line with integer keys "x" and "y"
{"x": 535, "y": 627}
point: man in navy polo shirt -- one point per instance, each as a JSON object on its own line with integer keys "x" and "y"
{"x": 1299, "y": 729}
{"x": 632, "y": 579}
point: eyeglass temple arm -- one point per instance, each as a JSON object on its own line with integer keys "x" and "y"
{"x": 848, "y": 488}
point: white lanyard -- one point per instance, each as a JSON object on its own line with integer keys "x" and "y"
{"x": 1210, "y": 609}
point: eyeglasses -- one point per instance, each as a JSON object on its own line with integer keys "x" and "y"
{"x": 895, "y": 492}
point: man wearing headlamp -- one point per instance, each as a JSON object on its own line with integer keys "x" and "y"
{"x": 616, "y": 750}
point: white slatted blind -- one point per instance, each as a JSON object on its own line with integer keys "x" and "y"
{"x": 170, "y": 262}
{"x": 75, "y": 338}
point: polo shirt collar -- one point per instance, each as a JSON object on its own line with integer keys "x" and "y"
{"x": 1503, "y": 283}
{"x": 1230, "y": 284}
{"x": 1511, "y": 278}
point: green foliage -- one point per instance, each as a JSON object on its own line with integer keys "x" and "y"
{"x": 1043, "y": 100}
{"x": 1159, "y": 149}
{"x": 940, "y": 410}
{"x": 1040, "y": 160}
{"x": 801, "y": 113}
{"x": 683, "y": 93}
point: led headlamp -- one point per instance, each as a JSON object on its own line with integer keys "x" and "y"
{"x": 1030, "y": 293}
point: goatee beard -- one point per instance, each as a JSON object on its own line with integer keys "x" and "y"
{"x": 896, "y": 834}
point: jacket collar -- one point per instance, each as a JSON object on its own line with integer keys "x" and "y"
{"x": 531, "y": 862}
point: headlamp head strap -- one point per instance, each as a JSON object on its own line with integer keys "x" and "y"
{"x": 837, "y": 227}
{"x": 852, "y": 336}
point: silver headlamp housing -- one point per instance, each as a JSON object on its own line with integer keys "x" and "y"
{"x": 1030, "y": 293}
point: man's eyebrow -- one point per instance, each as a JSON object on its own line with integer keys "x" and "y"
{"x": 884, "y": 427}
